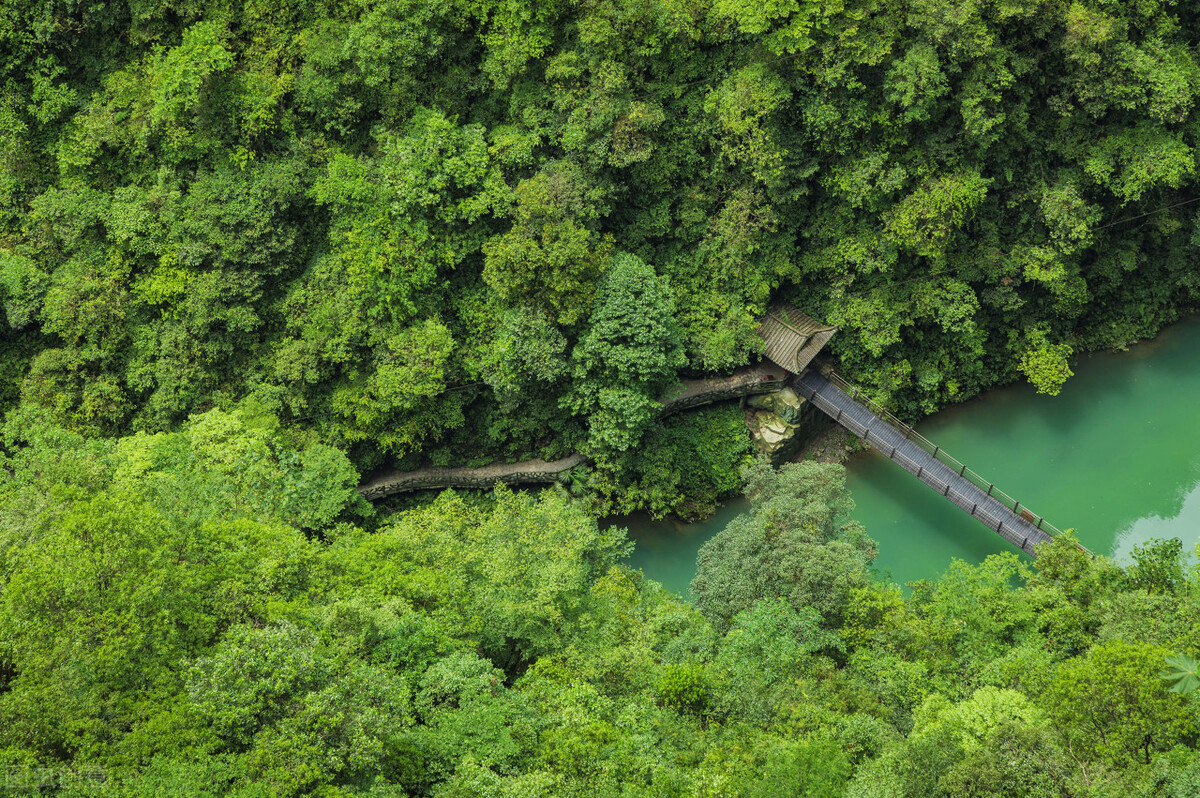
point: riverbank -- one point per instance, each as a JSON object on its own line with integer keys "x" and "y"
{"x": 1114, "y": 456}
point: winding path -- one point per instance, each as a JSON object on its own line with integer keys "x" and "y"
{"x": 484, "y": 478}
{"x": 762, "y": 378}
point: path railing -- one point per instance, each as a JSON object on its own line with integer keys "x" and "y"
{"x": 940, "y": 454}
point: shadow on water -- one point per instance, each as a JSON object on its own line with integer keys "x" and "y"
{"x": 1116, "y": 456}
{"x": 944, "y": 528}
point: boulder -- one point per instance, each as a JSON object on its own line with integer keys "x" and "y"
{"x": 781, "y": 422}
{"x": 775, "y": 438}
{"x": 776, "y": 424}
{"x": 785, "y": 403}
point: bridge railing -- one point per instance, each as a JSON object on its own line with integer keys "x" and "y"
{"x": 940, "y": 454}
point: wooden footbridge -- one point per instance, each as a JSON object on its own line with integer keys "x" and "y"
{"x": 926, "y": 461}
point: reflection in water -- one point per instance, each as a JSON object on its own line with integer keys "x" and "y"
{"x": 1116, "y": 457}
{"x": 1184, "y": 524}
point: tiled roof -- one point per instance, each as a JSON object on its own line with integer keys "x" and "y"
{"x": 792, "y": 338}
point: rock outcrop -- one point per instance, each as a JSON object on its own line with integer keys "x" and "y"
{"x": 779, "y": 424}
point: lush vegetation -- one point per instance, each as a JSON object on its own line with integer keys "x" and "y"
{"x": 193, "y": 613}
{"x": 250, "y": 250}
{"x": 467, "y": 230}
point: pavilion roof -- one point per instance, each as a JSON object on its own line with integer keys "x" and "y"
{"x": 793, "y": 339}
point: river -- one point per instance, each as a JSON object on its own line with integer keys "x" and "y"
{"x": 1116, "y": 456}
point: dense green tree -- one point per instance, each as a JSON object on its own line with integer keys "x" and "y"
{"x": 297, "y": 716}
{"x": 248, "y": 250}
{"x": 1016, "y": 759}
{"x": 683, "y": 465}
{"x": 191, "y": 612}
{"x": 766, "y": 652}
{"x": 628, "y": 353}
{"x": 346, "y": 211}
{"x": 550, "y": 257}
{"x": 1112, "y": 704}
{"x": 797, "y": 542}
{"x": 500, "y": 577}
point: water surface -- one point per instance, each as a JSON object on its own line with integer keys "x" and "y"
{"x": 1116, "y": 456}
{"x": 666, "y": 550}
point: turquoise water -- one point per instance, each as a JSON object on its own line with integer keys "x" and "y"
{"x": 666, "y": 550}
{"x": 1116, "y": 456}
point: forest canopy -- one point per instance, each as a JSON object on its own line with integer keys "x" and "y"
{"x": 251, "y": 250}
{"x": 191, "y": 614}
{"x": 422, "y": 229}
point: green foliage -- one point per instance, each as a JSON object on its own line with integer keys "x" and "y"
{"x": 1113, "y": 704}
{"x": 137, "y": 560}
{"x": 393, "y": 222}
{"x": 1016, "y": 760}
{"x": 411, "y": 369}
{"x": 1138, "y": 159}
{"x": 630, "y": 338}
{"x": 766, "y": 650}
{"x": 682, "y": 687}
{"x": 1180, "y": 673}
{"x": 925, "y": 219}
{"x": 797, "y": 542}
{"x": 976, "y": 719}
{"x": 298, "y": 717}
{"x": 550, "y": 257}
{"x": 1046, "y": 364}
{"x": 1158, "y": 566}
{"x": 248, "y": 455}
{"x": 512, "y": 578}
{"x": 818, "y": 768}
{"x": 24, "y": 289}
{"x": 248, "y": 250}
{"x": 187, "y": 71}
{"x": 529, "y": 353}
{"x": 191, "y": 613}
{"x": 742, "y": 104}
{"x": 468, "y": 715}
{"x": 683, "y": 465}
{"x": 626, "y": 356}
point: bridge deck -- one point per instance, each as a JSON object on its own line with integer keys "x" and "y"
{"x": 1006, "y": 520}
